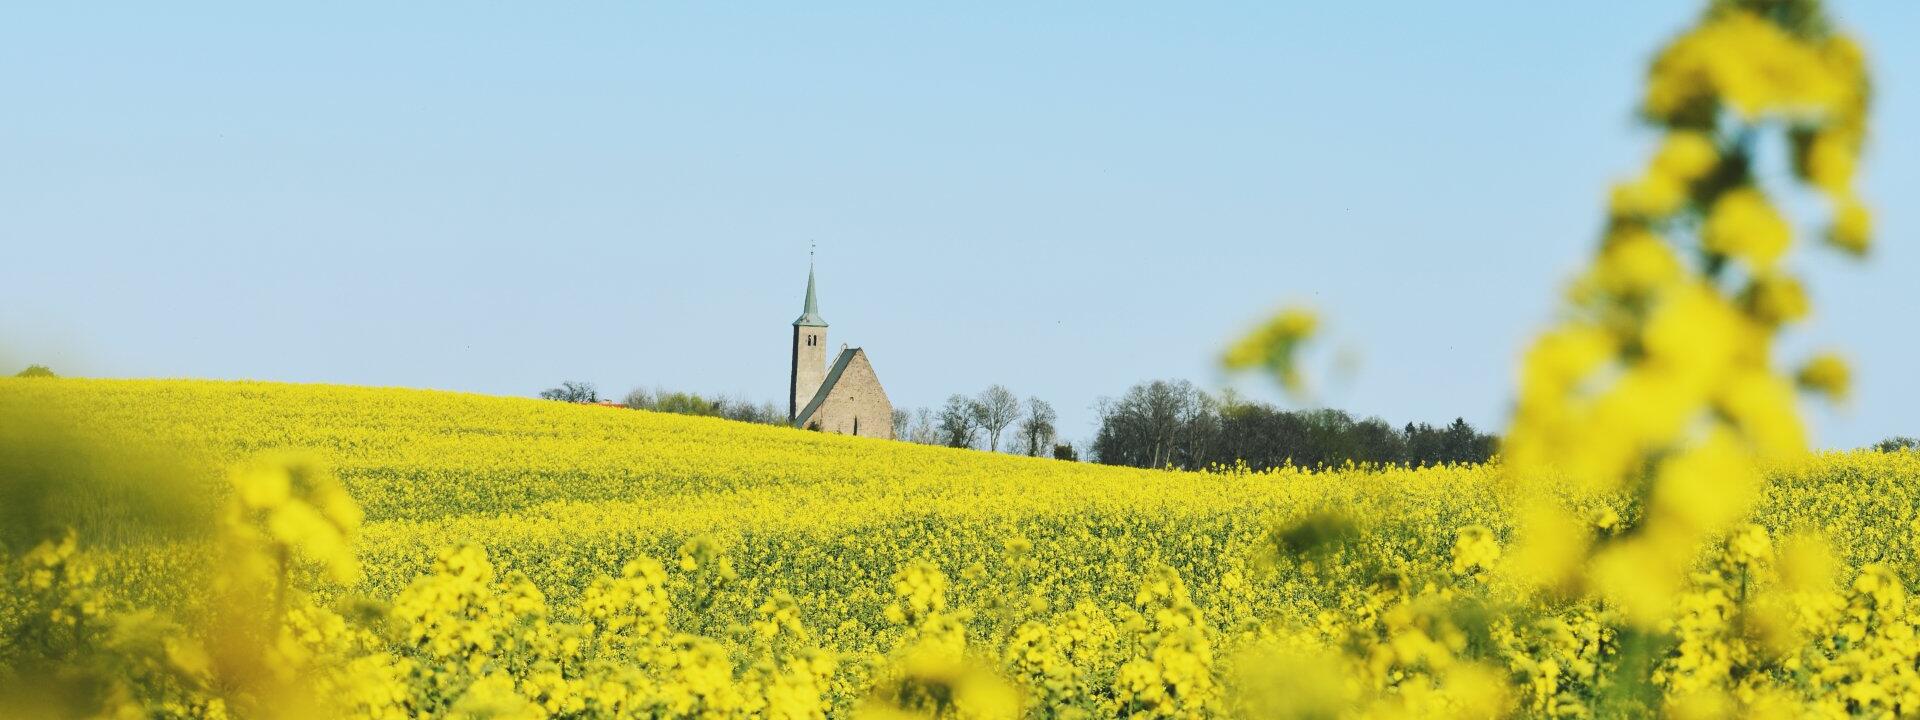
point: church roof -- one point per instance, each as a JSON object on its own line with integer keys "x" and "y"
{"x": 826, "y": 386}
{"x": 810, "y": 315}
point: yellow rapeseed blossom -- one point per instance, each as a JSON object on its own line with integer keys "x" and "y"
{"x": 1474, "y": 550}
{"x": 1672, "y": 406}
{"x": 1275, "y": 346}
{"x": 1826, "y": 374}
{"x": 1852, "y": 227}
{"x": 1742, "y": 224}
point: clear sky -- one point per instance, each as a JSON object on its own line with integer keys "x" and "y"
{"x": 1064, "y": 198}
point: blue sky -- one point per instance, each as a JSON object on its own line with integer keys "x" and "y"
{"x": 1065, "y": 199}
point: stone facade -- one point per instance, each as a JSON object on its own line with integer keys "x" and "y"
{"x": 844, "y": 397}
{"x": 851, "y": 401}
{"x": 809, "y": 366}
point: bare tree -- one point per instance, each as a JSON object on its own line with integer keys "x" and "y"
{"x": 900, "y": 420}
{"x": 995, "y": 409}
{"x": 957, "y": 422}
{"x": 573, "y": 392}
{"x": 1153, "y": 425}
{"x": 924, "y": 431}
{"x": 687, "y": 403}
{"x": 744, "y": 410}
{"x": 1036, "y": 429}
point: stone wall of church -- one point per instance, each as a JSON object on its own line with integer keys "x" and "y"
{"x": 809, "y": 366}
{"x": 856, "y": 403}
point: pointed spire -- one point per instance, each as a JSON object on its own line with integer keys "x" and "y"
{"x": 810, "y": 315}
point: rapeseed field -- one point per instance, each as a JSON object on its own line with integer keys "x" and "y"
{"x": 444, "y": 552}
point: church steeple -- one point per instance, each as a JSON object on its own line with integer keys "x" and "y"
{"x": 810, "y": 315}
{"x": 809, "y": 353}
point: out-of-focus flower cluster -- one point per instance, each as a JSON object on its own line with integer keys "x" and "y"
{"x": 1659, "y": 384}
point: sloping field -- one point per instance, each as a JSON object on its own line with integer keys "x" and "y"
{"x": 567, "y": 494}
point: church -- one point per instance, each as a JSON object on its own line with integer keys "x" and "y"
{"x": 844, "y": 397}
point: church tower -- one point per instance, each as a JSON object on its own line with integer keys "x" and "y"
{"x": 809, "y": 353}
{"x": 843, "y": 396}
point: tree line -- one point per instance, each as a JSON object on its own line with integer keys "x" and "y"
{"x": 979, "y": 421}
{"x": 674, "y": 401}
{"x": 1156, "y": 424}
{"x": 1170, "y": 423}
{"x": 983, "y": 420}
{"x": 1898, "y": 443}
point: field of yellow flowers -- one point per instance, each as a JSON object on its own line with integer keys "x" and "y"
{"x": 497, "y": 556}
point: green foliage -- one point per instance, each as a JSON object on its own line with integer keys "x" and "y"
{"x": 687, "y": 403}
{"x": 1898, "y": 443}
{"x": 36, "y": 371}
{"x": 572, "y": 391}
{"x": 54, "y": 477}
{"x": 1174, "y": 424}
{"x": 1314, "y": 534}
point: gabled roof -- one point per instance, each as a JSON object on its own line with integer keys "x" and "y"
{"x": 826, "y": 386}
{"x": 810, "y": 315}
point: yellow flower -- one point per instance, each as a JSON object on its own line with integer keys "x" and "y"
{"x": 1761, "y": 405}
{"x": 1750, "y": 545}
{"x": 1826, "y": 374}
{"x": 1474, "y": 550}
{"x": 1637, "y": 262}
{"x": 1852, "y": 229}
{"x": 1776, "y": 300}
{"x": 1274, "y": 346}
{"x": 263, "y": 486}
{"x": 1686, "y": 155}
{"x": 1752, "y": 65}
{"x": 1828, "y": 160}
{"x": 1652, "y": 196}
{"x": 1742, "y": 224}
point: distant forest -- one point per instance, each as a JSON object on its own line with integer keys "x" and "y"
{"x": 1170, "y": 423}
